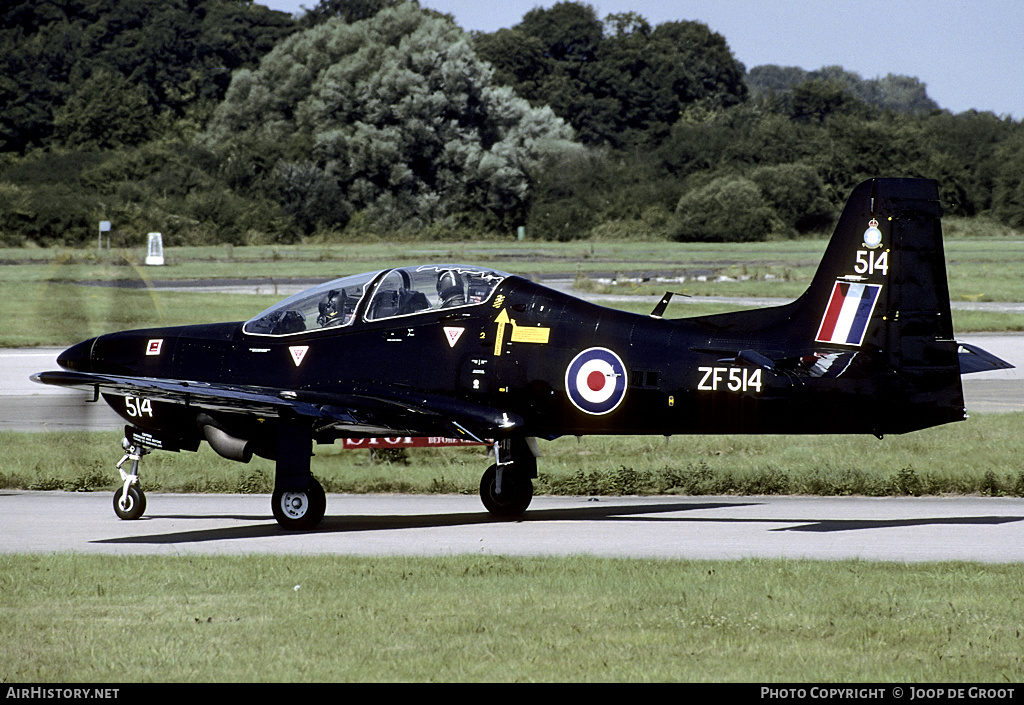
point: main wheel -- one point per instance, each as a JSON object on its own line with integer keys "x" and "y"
{"x": 299, "y": 510}
{"x": 134, "y": 503}
{"x": 516, "y": 493}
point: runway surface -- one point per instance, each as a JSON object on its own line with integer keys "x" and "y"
{"x": 977, "y": 529}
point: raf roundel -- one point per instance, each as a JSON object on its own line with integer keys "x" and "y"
{"x": 595, "y": 381}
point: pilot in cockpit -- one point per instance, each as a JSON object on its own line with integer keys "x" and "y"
{"x": 451, "y": 288}
{"x": 334, "y": 309}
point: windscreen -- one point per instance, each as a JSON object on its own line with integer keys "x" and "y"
{"x": 324, "y": 306}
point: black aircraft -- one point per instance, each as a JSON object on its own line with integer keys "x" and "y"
{"x": 477, "y": 354}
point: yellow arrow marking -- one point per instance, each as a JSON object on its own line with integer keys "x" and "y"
{"x": 501, "y": 320}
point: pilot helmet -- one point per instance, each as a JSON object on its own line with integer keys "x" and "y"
{"x": 449, "y": 284}
{"x": 330, "y": 307}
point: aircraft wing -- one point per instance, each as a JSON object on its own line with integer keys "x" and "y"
{"x": 352, "y": 412}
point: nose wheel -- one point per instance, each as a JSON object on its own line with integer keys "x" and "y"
{"x": 130, "y": 500}
{"x": 131, "y": 505}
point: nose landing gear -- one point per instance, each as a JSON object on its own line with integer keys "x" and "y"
{"x": 130, "y": 500}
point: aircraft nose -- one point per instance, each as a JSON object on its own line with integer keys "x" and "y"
{"x": 78, "y": 357}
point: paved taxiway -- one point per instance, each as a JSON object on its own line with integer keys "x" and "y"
{"x": 979, "y": 529}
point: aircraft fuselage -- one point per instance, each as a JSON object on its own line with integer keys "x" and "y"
{"x": 567, "y": 367}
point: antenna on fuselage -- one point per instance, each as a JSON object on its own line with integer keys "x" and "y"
{"x": 659, "y": 310}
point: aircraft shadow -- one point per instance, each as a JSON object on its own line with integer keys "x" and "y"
{"x": 596, "y": 512}
{"x": 830, "y": 525}
{"x": 354, "y": 522}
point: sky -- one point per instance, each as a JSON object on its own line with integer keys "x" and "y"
{"x": 969, "y": 53}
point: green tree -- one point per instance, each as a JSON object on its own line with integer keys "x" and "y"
{"x": 39, "y": 49}
{"x": 177, "y": 53}
{"x": 619, "y": 83}
{"x": 729, "y": 209}
{"x": 625, "y": 193}
{"x": 797, "y": 195}
{"x": 398, "y": 112}
{"x": 967, "y": 156}
{"x": 814, "y": 101}
{"x": 1008, "y": 187}
{"x": 858, "y": 148}
{"x": 570, "y": 33}
{"x": 518, "y": 60}
{"x": 770, "y": 78}
{"x": 105, "y": 112}
{"x": 901, "y": 94}
{"x": 713, "y": 77}
{"x": 568, "y": 201}
{"x": 348, "y": 10}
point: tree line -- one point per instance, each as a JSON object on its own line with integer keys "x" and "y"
{"x": 221, "y": 121}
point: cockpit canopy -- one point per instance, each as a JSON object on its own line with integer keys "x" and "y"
{"x": 375, "y": 296}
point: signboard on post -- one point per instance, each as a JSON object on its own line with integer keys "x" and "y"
{"x": 104, "y": 228}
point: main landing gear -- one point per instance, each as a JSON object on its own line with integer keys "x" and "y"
{"x": 298, "y": 501}
{"x": 506, "y": 488}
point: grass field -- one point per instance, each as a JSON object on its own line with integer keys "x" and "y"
{"x": 139, "y": 619}
{"x": 498, "y": 619}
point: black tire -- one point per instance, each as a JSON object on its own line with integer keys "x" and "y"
{"x": 295, "y": 511}
{"x": 516, "y": 495}
{"x": 135, "y": 505}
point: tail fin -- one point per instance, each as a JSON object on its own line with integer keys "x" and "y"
{"x": 877, "y": 311}
{"x": 882, "y": 280}
{"x": 883, "y": 265}
{"x": 881, "y": 288}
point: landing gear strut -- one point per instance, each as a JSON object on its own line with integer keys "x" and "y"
{"x": 130, "y": 500}
{"x": 298, "y": 501}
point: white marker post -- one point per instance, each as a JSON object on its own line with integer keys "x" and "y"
{"x": 156, "y": 249}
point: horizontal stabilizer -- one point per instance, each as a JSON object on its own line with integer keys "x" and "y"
{"x": 974, "y": 359}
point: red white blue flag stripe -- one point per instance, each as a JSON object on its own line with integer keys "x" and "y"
{"x": 849, "y": 309}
